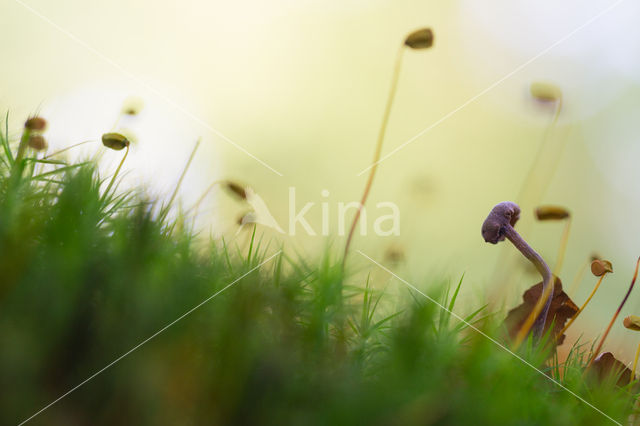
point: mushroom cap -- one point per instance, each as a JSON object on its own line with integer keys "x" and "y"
{"x": 502, "y": 215}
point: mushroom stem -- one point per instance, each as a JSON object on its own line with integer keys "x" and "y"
{"x": 583, "y": 306}
{"x": 615, "y": 316}
{"x": 378, "y": 151}
{"x": 635, "y": 364}
{"x": 538, "y": 315}
{"x": 528, "y": 252}
{"x": 536, "y": 320}
{"x": 498, "y": 226}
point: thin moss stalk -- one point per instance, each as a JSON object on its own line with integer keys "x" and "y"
{"x": 615, "y": 316}
{"x": 420, "y": 39}
{"x": 600, "y": 272}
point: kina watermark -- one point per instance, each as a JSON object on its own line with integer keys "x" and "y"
{"x": 381, "y": 219}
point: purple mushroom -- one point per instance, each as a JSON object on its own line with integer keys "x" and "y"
{"x": 498, "y": 226}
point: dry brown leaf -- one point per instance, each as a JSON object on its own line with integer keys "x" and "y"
{"x": 606, "y": 364}
{"x": 561, "y": 310}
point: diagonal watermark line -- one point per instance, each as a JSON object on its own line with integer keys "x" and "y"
{"x": 149, "y": 338}
{"x": 147, "y": 86}
{"x": 492, "y": 86}
{"x": 500, "y": 345}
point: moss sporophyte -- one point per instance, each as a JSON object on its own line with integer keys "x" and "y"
{"x": 417, "y": 40}
{"x": 599, "y": 268}
{"x": 615, "y": 316}
{"x": 557, "y": 213}
{"x": 117, "y": 142}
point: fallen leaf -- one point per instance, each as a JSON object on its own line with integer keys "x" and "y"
{"x": 561, "y": 310}
{"x": 606, "y": 365}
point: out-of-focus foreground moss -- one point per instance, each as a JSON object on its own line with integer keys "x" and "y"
{"x": 85, "y": 277}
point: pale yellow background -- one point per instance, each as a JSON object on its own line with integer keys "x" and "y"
{"x": 302, "y": 84}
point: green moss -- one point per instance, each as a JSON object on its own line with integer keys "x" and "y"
{"x": 86, "y": 278}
